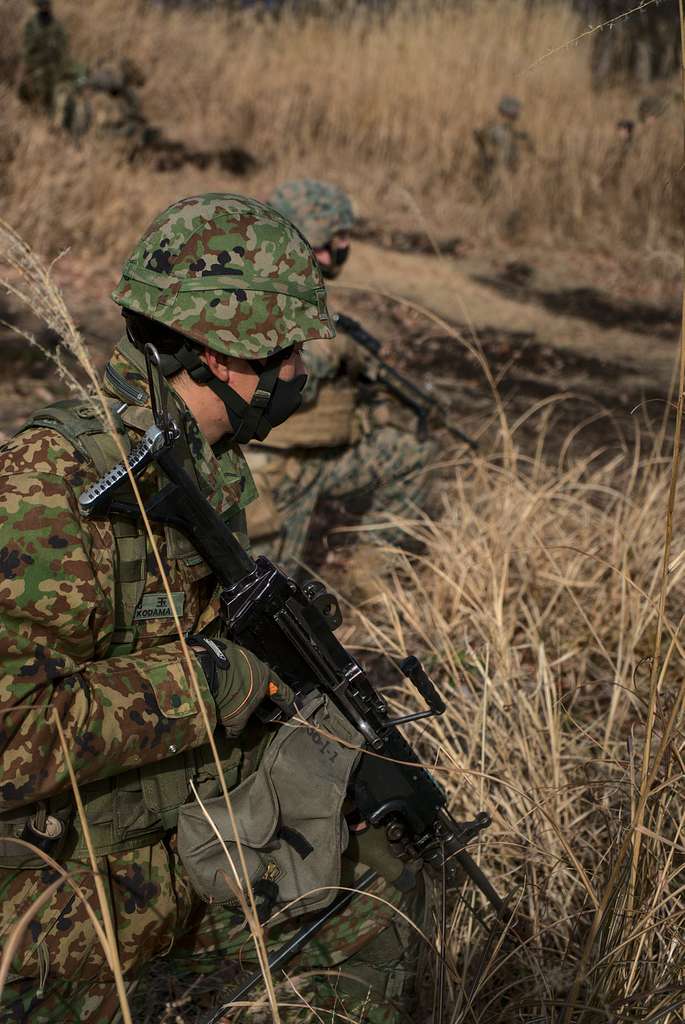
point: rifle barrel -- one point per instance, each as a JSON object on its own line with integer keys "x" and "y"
{"x": 403, "y": 389}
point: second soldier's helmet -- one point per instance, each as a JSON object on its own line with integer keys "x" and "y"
{"x": 510, "y": 106}
{"x": 227, "y": 272}
{"x": 320, "y": 210}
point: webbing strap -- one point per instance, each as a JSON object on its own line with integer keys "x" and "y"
{"x": 83, "y": 425}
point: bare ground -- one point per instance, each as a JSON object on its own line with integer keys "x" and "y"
{"x": 547, "y": 324}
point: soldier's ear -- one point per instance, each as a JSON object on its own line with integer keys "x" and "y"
{"x": 218, "y": 363}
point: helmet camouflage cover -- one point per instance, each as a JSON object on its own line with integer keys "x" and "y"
{"x": 230, "y": 273}
{"x": 510, "y": 106}
{"x": 318, "y": 209}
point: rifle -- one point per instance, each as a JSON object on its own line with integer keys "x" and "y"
{"x": 291, "y": 627}
{"x": 405, "y": 391}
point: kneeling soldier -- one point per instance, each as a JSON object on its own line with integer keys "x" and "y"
{"x": 228, "y": 291}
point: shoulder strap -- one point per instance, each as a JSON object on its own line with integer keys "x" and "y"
{"x": 81, "y": 423}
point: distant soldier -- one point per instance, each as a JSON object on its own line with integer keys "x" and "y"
{"x": 500, "y": 145}
{"x": 115, "y": 113}
{"x": 45, "y": 59}
{"x": 618, "y": 153}
{"x": 349, "y": 440}
{"x": 115, "y": 110}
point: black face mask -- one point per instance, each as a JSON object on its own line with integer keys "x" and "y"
{"x": 284, "y": 400}
{"x": 338, "y": 257}
{"x": 45, "y": 16}
{"x": 274, "y": 399}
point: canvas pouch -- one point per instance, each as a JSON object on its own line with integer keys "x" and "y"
{"x": 287, "y": 815}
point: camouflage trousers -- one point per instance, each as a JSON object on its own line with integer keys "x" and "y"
{"x": 360, "y": 966}
{"x": 389, "y": 469}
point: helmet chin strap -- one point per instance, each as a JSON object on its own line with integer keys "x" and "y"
{"x": 246, "y": 418}
{"x": 249, "y": 420}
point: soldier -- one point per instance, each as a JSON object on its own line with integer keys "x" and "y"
{"x": 115, "y": 114}
{"x": 500, "y": 144}
{"x": 46, "y": 61}
{"x": 348, "y": 440}
{"x": 618, "y": 153}
{"x": 228, "y": 291}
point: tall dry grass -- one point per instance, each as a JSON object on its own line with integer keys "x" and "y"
{"x": 535, "y": 604}
{"x": 385, "y": 106}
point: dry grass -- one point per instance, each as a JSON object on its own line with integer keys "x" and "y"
{"x": 535, "y": 606}
{"x": 535, "y": 603}
{"x": 387, "y": 108}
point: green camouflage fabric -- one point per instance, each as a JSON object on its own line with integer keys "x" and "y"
{"x": 58, "y": 576}
{"x": 318, "y": 209}
{"x": 387, "y": 470}
{"x": 230, "y": 273}
{"x": 387, "y": 473}
{"x": 57, "y": 585}
{"x": 500, "y": 145}
{"x": 361, "y": 966}
{"x": 114, "y": 110}
{"x": 45, "y": 63}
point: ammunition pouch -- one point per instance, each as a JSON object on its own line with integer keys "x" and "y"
{"x": 286, "y": 818}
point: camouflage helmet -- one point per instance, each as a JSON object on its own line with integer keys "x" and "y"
{"x": 319, "y": 210}
{"x": 510, "y": 106}
{"x": 230, "y": 273}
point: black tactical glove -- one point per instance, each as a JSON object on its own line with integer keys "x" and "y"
{"x": 239, "y": 682}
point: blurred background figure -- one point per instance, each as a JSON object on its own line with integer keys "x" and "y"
{"x": 618, "y": 152}
{"x": 45, "y": 59}
{"x": 106, "y": 103}
{"x": 651, "y": 108}
{"x": 501, "y": 144}
{"x": 349, "y": 440}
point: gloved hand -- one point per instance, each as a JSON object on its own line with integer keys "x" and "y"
{"x": 239, "y": 682}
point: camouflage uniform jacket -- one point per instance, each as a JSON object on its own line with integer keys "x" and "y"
{"x": 132, "y": 720}
{"x": 46, "y": 61}
{"x": 500, "y": 145}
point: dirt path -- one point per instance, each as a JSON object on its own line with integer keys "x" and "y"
{"x": 608, "y": 347}
{"x": 544, "y": 324}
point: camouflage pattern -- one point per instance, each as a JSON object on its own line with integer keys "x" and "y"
{"x": 57, "y": 587}
{"x": 362, "y": 963}
{"x": 385, "y": 468}
{"x": 58, "y": 577}
{"x": 318, "y": 209}
{"x": 45, "y": 62}
{"x": 510, "y": 106}
{"x": 500, "y": 145}
{"x": 114, "y": 111}
{"x": 230, "y": 273}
